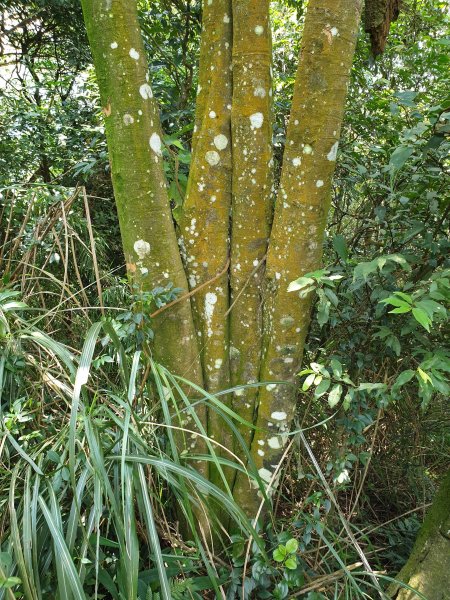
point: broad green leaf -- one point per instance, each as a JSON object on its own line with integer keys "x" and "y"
{"x": 340, "y": 246}
{"x": 322, "y": 388}
{"x": 300, "y": 284}
{"x": 403, "y": 378}
{"x": 424, "y": 376}
{"x": 336, "y": 367}
{"x": 291, "y": 546}
{"x": 400, "y": 156}
{"x": 291, "y": 563}
{"x": 422, "y": 318}
{"x": 308, "y": 382}
{"x": 335, "y": 395}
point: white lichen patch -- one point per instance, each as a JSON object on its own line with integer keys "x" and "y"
{"x": 142, "y": 248}
{"x": 307, "y": 149}
{"x": 256, "y": 120}
{"x": 210, "y": 302}
{"x": 226, "y": 19}
{"x": 239, "y": 392}
{"x": 212, "y": 114}
{"x": 261, "y": 442}
{"x": 155, "y": 143}
{"x": 333, "y": 151}
{"x": 259, "y": 92}
{"x": 261, "y": 452}
{"x": 297, "y": 161}
{"x": 128, "y": 119}
{"x": 265, "y": 474}
{"x": 218, "y": 363}
{"x": 278, "y": 415}
{"x": 134, "y": 54}
{"x": 146, "y": 91}
{"x": 271, "y": 386}
{"x": 319, "y": 183}
{"x": 334, "y": 31}
{"x": 274, "y": 442}
{"x": 114, "y": 45}
{"x": 259, "y": 30}
{"x": 220, "y": 141}
{"x": 212, "y": 157}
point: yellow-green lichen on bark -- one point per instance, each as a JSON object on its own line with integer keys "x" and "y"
{"x": 251, "y": 122}
{"x": 303, "y": 199}
{"x": 135, "y": 148}
{"x": 204, "y": 227}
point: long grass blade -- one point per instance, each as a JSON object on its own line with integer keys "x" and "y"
{"x": 62, "y": 553}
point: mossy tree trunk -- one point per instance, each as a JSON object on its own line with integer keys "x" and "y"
{"x": 243, "y": 326}
{"x": 428, "y": 568}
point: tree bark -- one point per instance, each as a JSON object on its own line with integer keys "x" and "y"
{"x": 135, "y": 148}
{"x": 251, "y": 124}
{"x": 428, "y": 568}
{"x": 303, "y": 200}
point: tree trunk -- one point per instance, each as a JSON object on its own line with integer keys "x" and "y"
{"x": 428, "y": 568}
{"x": 242, "y": 311}
{"x": 251, "y": 121}
{"x": 135, "y": 148}
{"x": 295, "y": 248}
{"x": 206, "y": 211}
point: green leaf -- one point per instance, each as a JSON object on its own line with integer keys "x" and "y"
{"x": 279, "y": 554}
{"x": 336, "y": 367}
{"x": 371, "y": 386}
{"x": 291, "y": 546}
{"x": 300, "y": 284}
{"x": 291, "y": 563}
{"x": 331, "y": 296}
{"x": 335, "y": 395}
{"x": 364, "y": 269}
{"x": 340, "y": 246}
{"x": 422, "y": 318}
{"x": 400, "y": 156}
{"x": 403, "y": 378}
{"x": 322, "y": 388}
{"x": 424, "y": 376}
{"x": 400, "y": 310}
{"x": 308, "y": 382}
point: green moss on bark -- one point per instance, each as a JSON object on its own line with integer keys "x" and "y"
{"x": 428, "y": 568}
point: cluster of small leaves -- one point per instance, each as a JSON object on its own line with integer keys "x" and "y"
{"x": 266, "y": 579}
{"x": 136, "y": 322}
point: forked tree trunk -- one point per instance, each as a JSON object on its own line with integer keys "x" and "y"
{"x": 242, "y": 327}
{"x": 301, "y": 210}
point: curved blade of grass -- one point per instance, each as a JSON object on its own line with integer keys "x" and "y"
{"x": 72, "y": 524}
{"x": 203, "y": 484}
{"x": 27, "y": 526}
{"x": 62, "y": 553}
{"x": 34, "y": 529}
{"x": 63, "y": 584}
{"x": 170, "y": 379}
{"x": 22, "y": 452}
{"x": 153, "y": 535}
{"x": 131, "y": 392}
{"x": 81, "y": 379}
{"x": 28, "y": 590}
{"x": 57, "y": 348}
